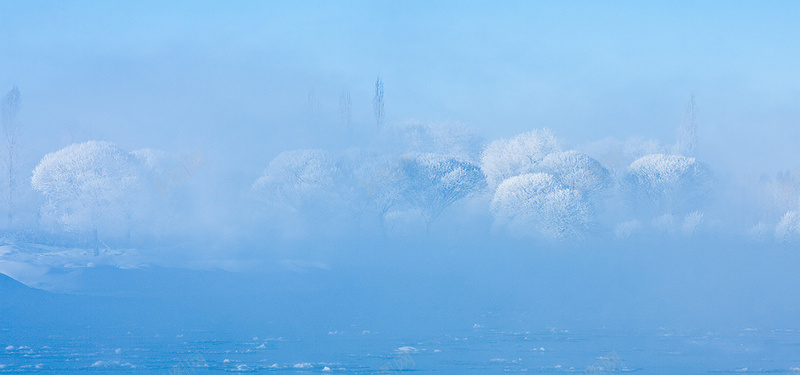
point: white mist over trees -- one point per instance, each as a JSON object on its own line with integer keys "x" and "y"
{"x": 778, "y": 202}
{"x": 432, "y": 171}
{"x": 300, "y": 180}
{"x": 616, "y": 155}
{"x": 409, "y": 176}
{"x": 527, "y": 184}
{"x": 451, "y": 139}
{"x": 686, "y": 142}
{"x": 630, "y": 145}
{"x": 8, "y": 114}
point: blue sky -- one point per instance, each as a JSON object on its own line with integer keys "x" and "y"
{"x": 240, "y": 73}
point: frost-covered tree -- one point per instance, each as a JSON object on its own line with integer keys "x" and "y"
{"x": 301, "y": 180}
{"x": 521, "y": 154}
{"x": 375, "y": 177}
{"x": 668, "y": 183}
{"x": 84, "y": 183}
{"x": 789, "y": 226}
{"x": 311, "y": 192}
{"x": 536, "y": 204}
{"x": 8, "y": 114}
{"x": 577, "y": 171}
{"x": 777, "y": 200}
{"x": 431, "y": 182}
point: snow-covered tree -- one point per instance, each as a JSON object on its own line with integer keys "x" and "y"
{"x": 301, "y": 180}
{"x": 84, "y": 183}
{"x": 432, "y": 182}
{"x": 577, "y": 171}
{"x": 777, "y": 200}
{"x": 321, "y": 193}
{"x": 309, "y": 192}
{"x": 521, "y": 154}
{"x": 376, "y": 177}
{"x": 789, "y": 226}
{"x": 668, "y": 183}
{"x": 327, "y": 186}
{"x": 536, "y": 204}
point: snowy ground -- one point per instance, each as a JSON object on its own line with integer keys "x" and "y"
{"x": 53, "y": 268}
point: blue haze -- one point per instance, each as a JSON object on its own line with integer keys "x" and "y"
{"x": 533, "y": 198}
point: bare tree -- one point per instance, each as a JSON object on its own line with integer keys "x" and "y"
{"x": 687, "y": 132}
{"x": 377, "y": 103}
{"x": 10, "y": 108}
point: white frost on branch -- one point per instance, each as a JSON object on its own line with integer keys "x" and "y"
{"x": 433, "y": 182}
{"x": 789, "y": 226}
{"x": 536, "y": 204}
{"x": 300, "y": 179}
{"x": 521, "y": 154}
{"x": 577, "y": 171}
{"x": 668, "y": 183}
{"x": 87, "y": 182}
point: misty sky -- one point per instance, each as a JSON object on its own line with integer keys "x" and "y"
{"x": 236, "y": 79}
